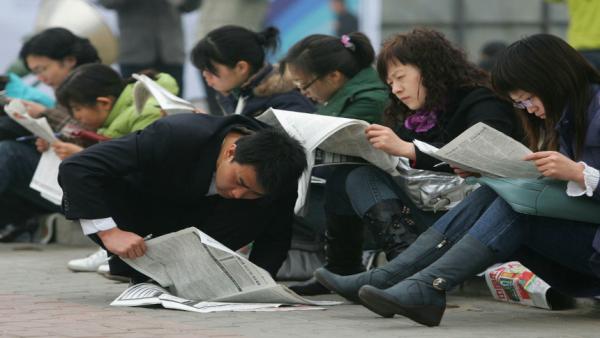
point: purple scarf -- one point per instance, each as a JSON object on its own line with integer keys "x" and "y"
{"x": 421, "y": 121}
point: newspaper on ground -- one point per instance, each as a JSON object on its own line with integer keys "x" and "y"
{"x": 45, "y": 178}
{"x": 514, "y": 283}
{"x": 485, "y": 150}
{"x": 148, "y": 294}
{"x": 171, "y": 104}
{"x": 197, "y": 268}
{"x": 331, "y": 134}
{"x": 38, "y": 127}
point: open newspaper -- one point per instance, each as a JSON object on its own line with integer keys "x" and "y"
{"x": 196, "y": 268}
{"x": 482, "y": 149}
{"x": 45, "y": 178}
{"x": 171, "y": 104}
{"x": 331, "y": 134}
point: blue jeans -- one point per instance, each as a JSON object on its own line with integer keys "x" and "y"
{"x": 559, "y": 251}
{"x": 17, "y": 201}
{"x": 355, "y": 190}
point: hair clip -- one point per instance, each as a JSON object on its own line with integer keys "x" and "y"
{"x": 345, "y": 39}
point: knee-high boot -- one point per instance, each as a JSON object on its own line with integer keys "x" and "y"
{"x": 422, "y": 297}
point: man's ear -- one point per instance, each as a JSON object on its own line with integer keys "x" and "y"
{"x": 70, "y": 62}
{"x": 230, "y": 152}
{"x": 105, "y": 103}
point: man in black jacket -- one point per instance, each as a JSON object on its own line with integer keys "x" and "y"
{"x": 231, "y": 177}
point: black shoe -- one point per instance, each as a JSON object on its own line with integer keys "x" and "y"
{"x": 310, "y": 287}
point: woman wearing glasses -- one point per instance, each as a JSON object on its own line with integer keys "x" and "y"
{"x": 232, "y": 60}
{"x": 559, "y": 97}
{"x": 436, "y": 95}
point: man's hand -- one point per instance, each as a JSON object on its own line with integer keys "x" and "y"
{"x": 65, "y": 149}
{"x": 41, "y": 145}
{"x": 558, "y": 166}
{"x": 463, "y": 173}
{"x": 123, "y": 243}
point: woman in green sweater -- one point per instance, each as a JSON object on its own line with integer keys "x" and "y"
{"x": 101, "y": 100}
{"x": 338, "y": 74}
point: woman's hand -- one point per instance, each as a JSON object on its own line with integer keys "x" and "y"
{"x": 463, "y": 173}
{"x": 384, "y": 138}
{"x": 65, "y": 149}
{"x": 41, "y": 145}
{"x": 558, "y": 166}
{"x": 34, "y": 109}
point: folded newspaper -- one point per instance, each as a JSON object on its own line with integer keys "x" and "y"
{"x": 512, "y": 282}
{"x": 171, "y": 104}
{"x": 336, "y": 135}
{"x": 198, "y": 272}
{"x": 483, "y": 149}
{"x": 45, "y": 178}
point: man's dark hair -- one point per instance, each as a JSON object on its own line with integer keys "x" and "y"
{"x": 88, "y": 82}
{"x": 57, "y": 44}
{"x": 278, "y": 158}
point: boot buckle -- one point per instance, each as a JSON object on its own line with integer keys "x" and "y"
{"x": 439, "y": 284}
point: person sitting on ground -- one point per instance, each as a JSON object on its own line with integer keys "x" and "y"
{"x": 232, "y": 60}
{"x": 558, "y": 102}
{"x": 436, "y": 95}
{"x": 51, "y": 55}
{"x": 231, "y": 177}
{"x": 337, "y": 73}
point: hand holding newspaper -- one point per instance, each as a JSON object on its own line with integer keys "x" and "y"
{"x": 39, "y": 127}
{"x": 482, "y": 149}
{"x": 145, "y": 87}
{"x": 197, "y": 269}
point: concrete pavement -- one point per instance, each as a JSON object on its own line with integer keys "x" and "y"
{"x": 39, "y": 297}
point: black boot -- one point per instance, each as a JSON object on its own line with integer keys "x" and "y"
{"x": 343, "y": 251}
{"x": 425, "y": 250}
{"x": 422, "y": 297}
{"x": 391, "y": 225}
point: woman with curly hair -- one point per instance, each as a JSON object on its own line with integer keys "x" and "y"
{"x": 436, "y": 94}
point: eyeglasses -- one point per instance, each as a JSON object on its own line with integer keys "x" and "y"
{"x": 524, "y": 104}
{"x": 306, "y": 86}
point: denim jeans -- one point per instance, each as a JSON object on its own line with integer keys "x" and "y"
{"x": 17, "y": 201}
{"x": 535, "y": 241}
{"x": 355, "y": 190}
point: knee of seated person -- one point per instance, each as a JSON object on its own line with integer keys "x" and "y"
{"x": 13, "y": 148}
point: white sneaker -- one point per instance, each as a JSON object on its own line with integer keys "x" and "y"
{"x": 90, "y": 263}
{"x": 103, "y": 269}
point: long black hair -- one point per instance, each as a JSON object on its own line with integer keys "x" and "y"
{"x": 547, "y": 67}
{"x": 57, "y": 44}
{"x": 228, "y": 45}
{"x": 88, "y": 82}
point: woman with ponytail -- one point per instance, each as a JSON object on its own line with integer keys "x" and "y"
{"x": 338, "y": 73}
{"x": 232, "y": 60}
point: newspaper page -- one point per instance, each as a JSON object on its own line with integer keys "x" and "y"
{"x": 192, "y": 265}
{"x": 514, "y": 283}
{"x": 45, "y": 178}
{"x": 145, "y": 87}
{"x": 332, "y": 134}
{"x": 147, "y": 294}
{"x": 39, "y": 127}
{"x": 484, "y": 150}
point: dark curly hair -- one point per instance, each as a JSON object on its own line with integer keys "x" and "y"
{"x": 444, "y": 69}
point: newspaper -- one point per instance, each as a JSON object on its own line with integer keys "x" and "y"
{"x": 483, "y": 149}
{"x": 45, "y": 178}
{"x": 38, "y": 127}
{"x": 196, "y": 267}
{"x": 148, "y": 294}
{"x": 331, "y": 134}
{"x": 171, "y": 104}
{"x": 512, "y": 282}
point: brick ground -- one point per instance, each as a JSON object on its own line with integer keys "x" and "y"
{"x": 39, "y": 297}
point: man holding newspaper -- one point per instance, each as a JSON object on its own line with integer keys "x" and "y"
{"x": 231, "y": 177}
